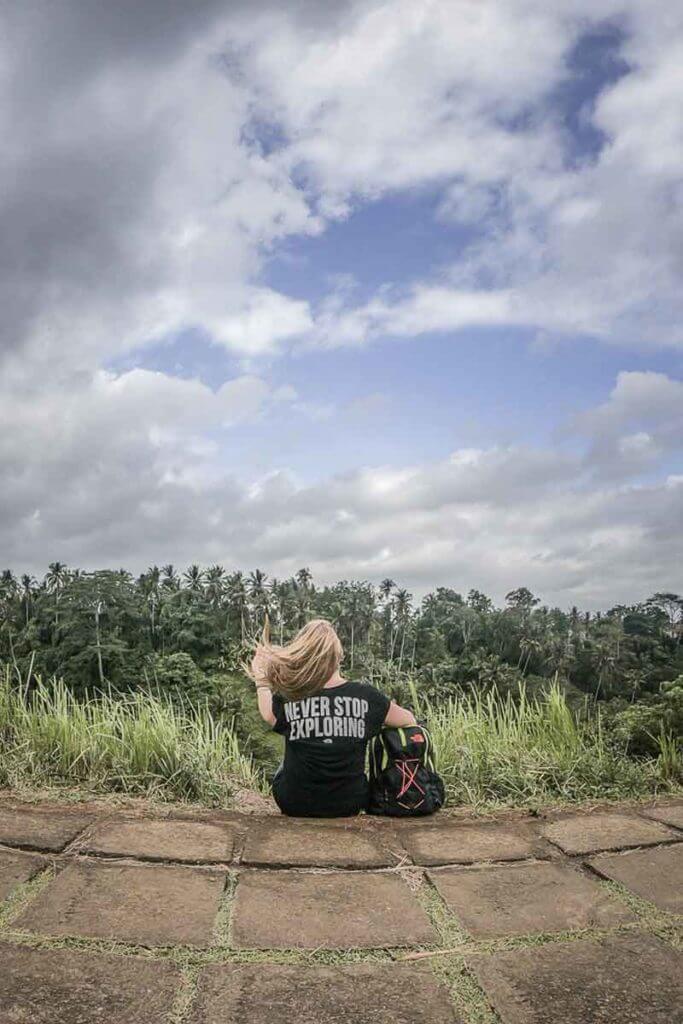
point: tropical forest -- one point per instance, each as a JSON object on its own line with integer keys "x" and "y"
{"x": 137, "y": 684}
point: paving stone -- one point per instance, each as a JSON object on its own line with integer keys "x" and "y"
{"x": 656, "y": 875}
{"x": 354, "y": 994}
{"x": 455, "y": 843}
{"x": 527, "y": 899}
{"x": 61, "y": 986}
{"x": 16, "y": 868}
{"x": 634, "y": 979}
{"x": 335, "y": 910}
{"x": 145, "y": 904}
{"x": 40, "y": 829}
{"x": 671, "y": 814}
{"x": 590, "y": 833}
{"x": 280, "y": 843}
{"x": 190, "y": 841}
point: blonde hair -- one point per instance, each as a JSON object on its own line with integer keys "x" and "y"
{"x": 303, "y": 666}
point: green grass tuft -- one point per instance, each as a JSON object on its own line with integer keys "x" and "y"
{"x": 137, "y": 744}
{"x": 505, "y": 750}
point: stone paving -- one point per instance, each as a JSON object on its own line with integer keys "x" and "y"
{"x": 655, "y": 874}
{"x": 619, "y": 980}
{"x": 279, "y": 842}
{"x": 527, "y": 899}
{"x": 441, "y": 844}
{"x": 194, "y": 842}
{"x": 16, "y": 868}
{"x": 318, "y": 994}
{"x": 189, "y": 917}
{"x": 336, "y": 910}
{"x": 133, "y": 903}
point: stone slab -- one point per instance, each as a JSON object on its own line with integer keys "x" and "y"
{"x": 467, "y": 844}
{"x": 591, "y": 833}
{"x": 630, "y": 979}
{"x": 332, "y": 910}
{"x": 40, "y": 829}
{"x": 671, "y": 814}
{"x": 354, "y": 994}
{"x": 16, "y": 868}
{"x": 61, "y": 986}
{"x": 525, "y": 899}
{"x": 656, "y": 874}
{"x": 279, "y": 843}
{"x": 136, "y": 903}
{"x": 193, "y": 842}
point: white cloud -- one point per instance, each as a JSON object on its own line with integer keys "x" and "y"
{"x": 139, "y": 195}
{"x": 266, "y": 319}
{"x": 155, "y": 154}
{"x": 641, "y": 422}
{"x": 132, "y": 203}
{"x": 133, "y": 475}
{"x": 460, "y": 96}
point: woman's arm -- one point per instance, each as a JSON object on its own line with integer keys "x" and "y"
{"x": 264, "y": 698}
{"x": 398, "y": 716}
{"x": 264, "y": 695}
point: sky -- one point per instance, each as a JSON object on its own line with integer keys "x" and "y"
{"x": 385, "y": 288}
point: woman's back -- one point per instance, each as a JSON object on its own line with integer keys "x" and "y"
{"x": 326, "y": 721}
{"x": 326, "y": 735}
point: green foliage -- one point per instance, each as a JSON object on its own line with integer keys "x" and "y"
{"x": 133, "y": 744}
{"x": 105, "y": 627}
{"x": 176, "y": 675}
{"x": 494, "y": 748}
{"x": 641, "y": 726}
{"x": 182, "y": 637}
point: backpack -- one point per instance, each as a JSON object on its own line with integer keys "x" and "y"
{"x": 403, "y": 777}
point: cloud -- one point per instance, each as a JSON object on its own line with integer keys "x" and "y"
{"x": 132, "y": 204}
{"x": 152, "y": 160}
{"x": 134, "y": 475}
{"x": 639, "y": 424}
{"x": 463, "y": 98}
{"x": 156, "y": 155}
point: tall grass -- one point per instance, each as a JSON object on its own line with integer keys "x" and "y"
{"x": 492, "y": 749}
{"x": 138, "y": 744}
{"x": 495, "y": 749}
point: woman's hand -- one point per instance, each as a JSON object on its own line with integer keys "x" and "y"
{"x": 259, "y": 667}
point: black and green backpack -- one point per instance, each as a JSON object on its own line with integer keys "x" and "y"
{"x": 403, "y": 776}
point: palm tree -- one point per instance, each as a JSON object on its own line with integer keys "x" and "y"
{"x": 27, "y": 584}
{"x": 170, "y": 577}
{"x": 304, "y": 577}
{"x": 258, "y": 593}
{"x": 237, "y": 595}
{"x": 402, "y": 601}
{"x": 149, "y": 584}
{"x": 194, "y": 579}
{"x": 385, "y": 589}
{"x": 280, "y": 594}
{"x": 215, "y": 585}
{"x": 302, "y": 591}
{"x": 528, "y": 645}
{"x": 55, "y": 578}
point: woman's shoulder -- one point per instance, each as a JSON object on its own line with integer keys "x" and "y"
{"x": 364, "y": 688}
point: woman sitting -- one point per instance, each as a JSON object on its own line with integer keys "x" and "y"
{"x": 326, "y": 721}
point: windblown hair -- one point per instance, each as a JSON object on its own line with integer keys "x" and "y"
{"x": 303, "y": 666}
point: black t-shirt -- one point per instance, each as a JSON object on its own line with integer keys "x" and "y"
{"x": 326, "y": 736}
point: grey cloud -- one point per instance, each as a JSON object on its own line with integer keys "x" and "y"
{"x": 92, "y": 494}
{"x": 641, "y": 422}
{"x": 121, "y": 140}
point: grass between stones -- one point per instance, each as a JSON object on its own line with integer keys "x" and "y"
{"x": 20, "y": 898}
{"x": 446, "y": 957}
{"x": 185, "y": 995}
